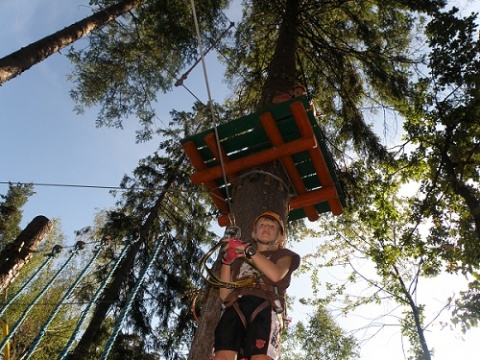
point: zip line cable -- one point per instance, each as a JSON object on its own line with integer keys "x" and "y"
{"x": 37, "y": 298}
{"x": 94, "y": 299}
{"x": 212, "y": 278}
{"x": 133, "y": 294}
{"x": 56, "y": 250}
{"x": 43, "y": 329}
{"x": 212, "y": 110}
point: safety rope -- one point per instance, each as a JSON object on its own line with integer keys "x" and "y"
{"x": 211, "y": 278}
{"x": 85, "y": 312}
{"x": 37, "y": 298}
{"x": 43, "y": 329}
{"x": 56, "y": 250}
{"x": 133, "y": 294}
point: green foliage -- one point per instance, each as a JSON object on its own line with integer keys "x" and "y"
{"x": 11, "y": 211}
{"x": 321, "y": 338}
{"x": 382, "y": 244}
{"x": 447, "y": 140}
{"x": 350, "y": 55}
{"x": 467, "y": 307}
{"x": 130, "y": 61}
{"x": 62, "y": 325}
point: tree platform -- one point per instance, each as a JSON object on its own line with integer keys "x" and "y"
{"x": 287, "y": 132}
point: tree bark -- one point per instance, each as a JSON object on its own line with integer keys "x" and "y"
{"x": 202, "y": 344}
{"x": 19, "y": 252}
{"x": 14, "y": 64}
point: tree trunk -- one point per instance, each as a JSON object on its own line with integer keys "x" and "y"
{"x": 19, "y": 252}
{"x": 119, "y": 277}
{"x": 461, "y": 189}
{"x": 14, "y": 64}
{"x": 258, "y": 189}
{"x": 202, "y": 345}
{"x": 110, "y": 296}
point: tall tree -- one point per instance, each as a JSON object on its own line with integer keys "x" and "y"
{"x": 347, "y": 54}
{"x": 444, "y": 130}
{"x": 350, "y": 63}
{"x": 14, "y": 64}
{"x": 159, "y": 191}
{"x": 385, "y": 246}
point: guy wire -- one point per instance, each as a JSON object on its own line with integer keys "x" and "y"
{"x": 212, "y": 110}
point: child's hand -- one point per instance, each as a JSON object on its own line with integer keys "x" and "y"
{"x": 233, "y": 250}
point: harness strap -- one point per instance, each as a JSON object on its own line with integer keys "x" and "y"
{"x": 259, "y": 309}
{"x": 240, "y": 314}
{"x": 272, "y": 299}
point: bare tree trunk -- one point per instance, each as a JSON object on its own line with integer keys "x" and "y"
{"x": 202, "y": 345}
{"x": 19, "y": 252}
{"x": 258, "y": 189}
{"x": 14, "y": 64}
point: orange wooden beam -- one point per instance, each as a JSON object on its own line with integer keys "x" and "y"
{"x": 253, "y": 160}
{"x": 313, "y": 197}
{"x": 316, "y": 155}
{"x": 270, "y": 126}
{"x": 198, "y": 163}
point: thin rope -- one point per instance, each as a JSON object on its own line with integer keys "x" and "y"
{"x": 94, "y": 299}
{"x": 34, "y": 301}
{"x": 20, "y": 291}
{"x": 33, "y": 347}
{"x": 212, "y": 110}
{"x": 133, "y": 294}
{"x": 118, "y": 188}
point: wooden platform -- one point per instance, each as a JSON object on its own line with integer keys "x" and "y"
{"x": 287, "y": 132}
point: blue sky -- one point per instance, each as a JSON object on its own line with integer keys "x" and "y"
{"x": 44, "y": 141}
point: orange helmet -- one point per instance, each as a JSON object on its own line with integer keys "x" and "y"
{"x": 271, "y": 215}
